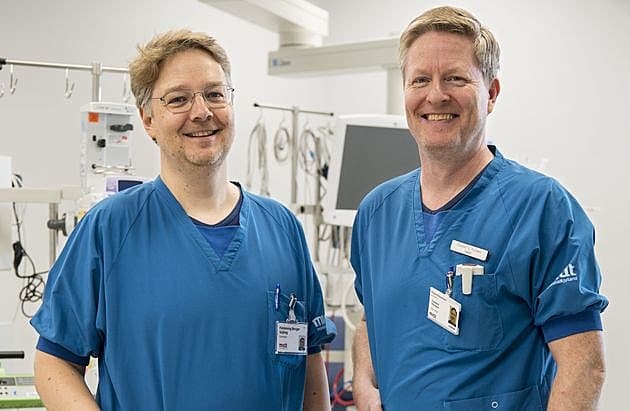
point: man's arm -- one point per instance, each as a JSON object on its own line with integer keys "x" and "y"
{"x": 364, "y": 386}
{"x": 61, "y": 385}
{"x": 316, "y": 396}
{"x": 581, "y": 371}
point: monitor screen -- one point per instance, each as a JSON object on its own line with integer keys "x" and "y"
{"x": 367, "y": 151}
{"x": 116, "y": 184}
{"x": 125, "y": 184}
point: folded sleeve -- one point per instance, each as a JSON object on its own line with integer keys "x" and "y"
{"x": 566, "y": 274}
{"x": 69, "y": 314}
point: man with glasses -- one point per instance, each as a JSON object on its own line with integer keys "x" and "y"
{"x": 192, "y": 293}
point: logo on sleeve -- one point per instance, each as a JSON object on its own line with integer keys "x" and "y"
{"x": 567, "y": 275}
{"x": 319, "y": 322}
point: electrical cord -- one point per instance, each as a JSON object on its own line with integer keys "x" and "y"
{"x": 33, "y": 289}
{"x": 326, "y": 132}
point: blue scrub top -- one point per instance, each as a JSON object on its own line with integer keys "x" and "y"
{"x": 540, "y": 275}
{"x": 176, "y": 326}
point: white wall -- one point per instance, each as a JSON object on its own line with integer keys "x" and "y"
{"x": 564, "y": 68}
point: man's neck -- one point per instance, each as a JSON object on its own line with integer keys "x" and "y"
{"x": 442, "y": 179}
{"x": 204, "y": 193}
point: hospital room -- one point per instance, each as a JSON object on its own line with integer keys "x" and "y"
{"x": 207, "y": 205}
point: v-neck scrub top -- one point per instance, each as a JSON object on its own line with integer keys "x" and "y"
{"x": 541, "y": 282}
{"x": 174, "y": 325}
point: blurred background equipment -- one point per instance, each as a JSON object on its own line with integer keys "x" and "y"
{"x": 17, "y": 390}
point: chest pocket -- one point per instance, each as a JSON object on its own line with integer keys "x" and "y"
{"x": 280, "y": 315}
{"x": 480, "y": 325}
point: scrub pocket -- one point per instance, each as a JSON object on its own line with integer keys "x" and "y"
{"x": 280, "y": 315}
{"x": 523, "y": 400}
{"x": 480, "y": 325}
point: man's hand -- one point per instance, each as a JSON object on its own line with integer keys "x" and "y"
{"x": 364, "y": 389}
{"x": 366, "y": 397}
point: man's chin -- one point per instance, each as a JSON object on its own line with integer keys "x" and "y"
{"x": 213, "y": 161}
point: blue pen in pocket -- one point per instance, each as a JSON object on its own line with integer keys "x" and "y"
{"x": 277, "y": 298}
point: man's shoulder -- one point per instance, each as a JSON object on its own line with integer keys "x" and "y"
{"x": 388, "y": 194}
{"x": 390, "y": 189}
{"x": 270, "y": 207}
{"x": 124, "y": 204}
{"x": 516, "y": 177}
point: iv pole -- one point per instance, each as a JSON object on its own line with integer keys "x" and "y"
{"x": 53, "y": 197}
{"x": 306, "y": 209}
{"x": 97, "y": 69}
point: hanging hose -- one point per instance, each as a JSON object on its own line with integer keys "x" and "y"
{"x": 258, "y": 142}
{"x": 282, "y": 144}
{"x": 308, "y": 153}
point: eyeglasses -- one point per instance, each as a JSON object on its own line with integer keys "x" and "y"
{"x": 181, "y": 101}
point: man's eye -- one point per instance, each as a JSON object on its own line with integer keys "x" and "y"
{"x": 178, "y": 100}
{"x": 214, "y": 95}
{"x": 419, "y": 82}
{"x": 459, "y": 81}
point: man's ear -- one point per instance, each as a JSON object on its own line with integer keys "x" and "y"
{"x": 493, "y": 93}
{"x": 147, "y": 122}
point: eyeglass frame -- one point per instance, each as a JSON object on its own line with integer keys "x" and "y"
{"x": 229, "y": 89}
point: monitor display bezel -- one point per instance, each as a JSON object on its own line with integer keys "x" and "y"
{"x": 345, "y": 217}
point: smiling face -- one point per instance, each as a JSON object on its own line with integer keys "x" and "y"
{"x": 199, "y": 138}
{"x": 446, "y": 98}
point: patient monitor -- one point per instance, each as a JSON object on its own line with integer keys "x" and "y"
{"x": 367, "y": 150}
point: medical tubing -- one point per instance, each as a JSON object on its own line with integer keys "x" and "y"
{"x": 308, "y": 155}
{"x": 339, "y": 391}
{"x": 258, "y": 135}
{"x": 281, "y": 144}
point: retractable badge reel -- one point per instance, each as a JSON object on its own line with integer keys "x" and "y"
{"x": 291, "y": 335}
{"x": 444, "y": 310}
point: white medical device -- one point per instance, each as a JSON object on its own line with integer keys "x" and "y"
{"x": 105, "y": 166}
{"x": 17, "y": 391}
{"x": 367, "y": 150}
{"x": 105, "y": 143}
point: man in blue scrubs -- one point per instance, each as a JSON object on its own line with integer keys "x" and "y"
{"x": 478, "y": 276}
{"x": 193, "y": 293}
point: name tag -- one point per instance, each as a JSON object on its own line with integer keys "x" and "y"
{"x": 291, "y": 338}
{"x": 444, "y": 311}
{"x": 469, "y": 250}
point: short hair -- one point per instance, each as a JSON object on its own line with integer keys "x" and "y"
{"x": 144, "y": 69}
{"x": 459, "y": 21}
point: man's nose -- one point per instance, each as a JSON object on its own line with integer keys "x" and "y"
{"x": 199, "y": 109}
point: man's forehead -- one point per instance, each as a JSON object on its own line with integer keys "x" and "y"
{"x": 441, "y": 48}
{"x": 442, "y": 40}
{"x": 184, "y": 70}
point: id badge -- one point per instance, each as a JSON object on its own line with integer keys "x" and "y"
{"x": 291, "y": 338}
{"x": 444, "y": 311}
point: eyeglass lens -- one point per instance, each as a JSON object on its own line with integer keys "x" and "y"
{"x": 215, "y": 96}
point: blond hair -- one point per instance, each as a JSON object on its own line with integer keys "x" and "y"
{"x": 459, "y": 21}
{"x": 144, "y": 69}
